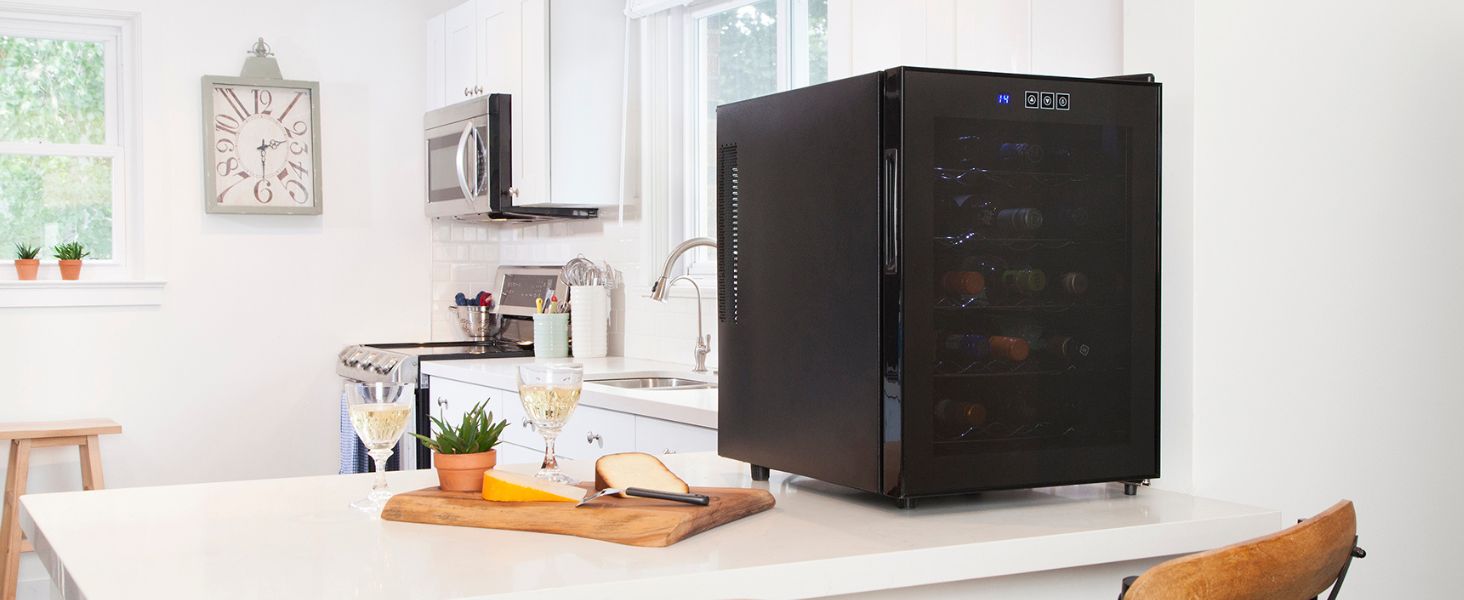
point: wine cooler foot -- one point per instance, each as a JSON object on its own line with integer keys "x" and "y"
{"x": 760, "y": 473}
{"x": 905, "y": 503}
{"x": 1130, "y": 488}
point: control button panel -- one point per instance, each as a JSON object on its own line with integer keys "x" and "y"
{"x": 1039, "y": 100}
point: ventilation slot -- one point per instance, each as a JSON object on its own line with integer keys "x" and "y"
{"x": 728, "y": 285}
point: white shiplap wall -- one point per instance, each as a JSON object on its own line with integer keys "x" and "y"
{"x": 1052, "y": 37}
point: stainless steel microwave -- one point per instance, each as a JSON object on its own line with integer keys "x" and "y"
{"x": 470, "y": 165}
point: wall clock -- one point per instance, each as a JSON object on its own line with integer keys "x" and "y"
{"x": 261, "y": 142}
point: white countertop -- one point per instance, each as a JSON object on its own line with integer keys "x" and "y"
{"x": 694, "y": 407}
{"x": 297, "y": 538}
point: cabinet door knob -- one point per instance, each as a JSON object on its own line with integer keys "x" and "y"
{"x": 594, "y": 438}
{"x": 466, "y": 92}
{"x": 525, "y": 422}
{"x": 442, "y": 404}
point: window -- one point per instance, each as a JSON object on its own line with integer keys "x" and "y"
{"x": 742, "y": 50}
{"x": 61, "y": 135}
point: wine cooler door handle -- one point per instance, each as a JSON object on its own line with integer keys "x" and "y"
{"x": 892, "y": 211}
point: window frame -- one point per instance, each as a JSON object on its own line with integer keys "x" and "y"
{"x": 792, "y": 56}
{"x": 121, "y": 144}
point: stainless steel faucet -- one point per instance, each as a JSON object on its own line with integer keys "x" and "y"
{"x": 703, "y": 344}
{"x": 663, "y": 287}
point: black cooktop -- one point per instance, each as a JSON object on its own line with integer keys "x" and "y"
{"x": 460, "y": 350}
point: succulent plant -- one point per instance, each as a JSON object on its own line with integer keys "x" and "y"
{"x": 477, "y": 433}
{"x": 69, "y": 251}
{"x": 25, "y": 251}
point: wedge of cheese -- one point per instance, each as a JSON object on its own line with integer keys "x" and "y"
{"x": 636, "y": 469}
{"x": 503, "y": 486}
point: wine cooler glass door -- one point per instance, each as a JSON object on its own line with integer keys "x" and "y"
{"x": 1029, "y": 281}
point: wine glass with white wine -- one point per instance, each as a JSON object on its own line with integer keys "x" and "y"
{"x": 550, "y": 392}
{"x": 380, "y": 418}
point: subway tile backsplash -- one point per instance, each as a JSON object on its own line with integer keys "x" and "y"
{"x": 466, "y": 256}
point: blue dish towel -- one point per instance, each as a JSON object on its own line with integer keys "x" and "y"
{"x": 353, "y": 453}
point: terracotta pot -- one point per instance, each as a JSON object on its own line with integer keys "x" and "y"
{"x": 70, "y": 269}
{"x": 25, "y": 268}
{"x": 463, "y": 472}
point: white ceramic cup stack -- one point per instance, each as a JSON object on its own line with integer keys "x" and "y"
{"x": 589, "y": 320}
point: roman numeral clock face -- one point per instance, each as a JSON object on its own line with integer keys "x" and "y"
{"x": 263, "y": 154}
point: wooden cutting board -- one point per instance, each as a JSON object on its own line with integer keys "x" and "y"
{"x": 630, "y": 521}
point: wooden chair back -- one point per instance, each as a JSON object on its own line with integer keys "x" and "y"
{"x": 1294, "y": 564}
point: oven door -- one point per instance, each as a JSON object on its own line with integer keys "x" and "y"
{"x": 467, "y": 157}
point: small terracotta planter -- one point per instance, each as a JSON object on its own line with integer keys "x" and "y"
{"x": 463, "y": 472}
{"x": 70, "y": 269}
{"x": 25, "y": 268}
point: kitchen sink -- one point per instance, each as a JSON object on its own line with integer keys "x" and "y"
{"x": 654, "y": 383}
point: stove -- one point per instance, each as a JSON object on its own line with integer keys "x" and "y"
{"x": 515, "y": 292}
{"x": 401, "y": 363}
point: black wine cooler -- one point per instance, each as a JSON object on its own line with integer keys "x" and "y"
{"x": 940, "y": 282}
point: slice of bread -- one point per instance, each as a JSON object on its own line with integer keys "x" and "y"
{"x": 636, "y": 469}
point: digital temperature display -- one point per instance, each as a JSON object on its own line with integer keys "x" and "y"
{"x": 1003, "y": 98}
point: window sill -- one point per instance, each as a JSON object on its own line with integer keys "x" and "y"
{"x": 56, "y": 293}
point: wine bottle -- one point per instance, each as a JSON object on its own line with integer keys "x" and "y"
{"x": 955, "y": 417}
{"x": 962, "y": 283}
{"x": 1067, "y": 349}
{"x": 1010, "y": 349}
{"x": 1024, "y": 281}
{"x": 990, "y": 267}
{"x": 1072, "y": 285}
{"x": 1019, "y": 220}
{"x": 1022, "y": 153}
{"x": 982, "y": 214}
{"x": 966, "y": 346}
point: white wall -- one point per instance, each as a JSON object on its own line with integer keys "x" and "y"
{"x": 1159, "y": 39}
{"x": 1082, "y": 38}
{"x": 231, "y": 377}
{"x": 1326, "y": 257}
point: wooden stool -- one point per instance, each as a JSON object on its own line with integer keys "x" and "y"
{"x": 24, "y": 436}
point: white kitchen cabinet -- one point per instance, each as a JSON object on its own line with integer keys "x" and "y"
{"x": 591, "y": 432}
{"x": 436, "y": 66}
{"x": 499, "y": 52}
{"x": 460, "y": 56}
{"x": 655, "y": 436}
{"x": 514, "y": 454}
{"x": 563, "y": 63}
{"x": 594, "y": 432}
{"x": 450, "y": 399}
{"x": 584, "y": 98}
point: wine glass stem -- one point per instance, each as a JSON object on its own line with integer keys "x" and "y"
{"x": 380, "y": 457}
{"x": 550, "y": 463}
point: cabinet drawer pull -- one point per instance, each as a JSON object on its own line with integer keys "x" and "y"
{"x": 594, "y": 438}
{"x": 669, "y": 451}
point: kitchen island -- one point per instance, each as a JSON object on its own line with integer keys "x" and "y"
{"x": 297, "y": 538}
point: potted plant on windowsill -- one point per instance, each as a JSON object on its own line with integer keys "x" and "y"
{"x": 69, "y": 256}
{"x": 461, "y": 454}
{"x": 26, "y": 263}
